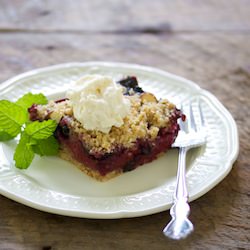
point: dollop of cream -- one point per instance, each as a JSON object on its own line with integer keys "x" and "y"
{"x": 98, "y": 102}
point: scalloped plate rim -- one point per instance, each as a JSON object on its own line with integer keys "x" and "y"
{"x": 123, "y": 213}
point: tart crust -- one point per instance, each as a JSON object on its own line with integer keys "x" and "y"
{"x": 65, "y": 154}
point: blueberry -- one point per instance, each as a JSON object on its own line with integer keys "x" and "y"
{"x": 146, "y": 149}
{"x": 138, "y": 89}
{"x": 129, "y": 166}
{"x": 129, "y": 83}
{"x": 65, "y": 130}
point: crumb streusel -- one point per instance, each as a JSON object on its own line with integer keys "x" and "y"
{"x": 143, "y": 122}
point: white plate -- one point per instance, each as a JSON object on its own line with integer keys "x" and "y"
{"x": 53, "y": 185}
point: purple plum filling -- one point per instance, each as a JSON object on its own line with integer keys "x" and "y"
{"x": 125, "y": 159}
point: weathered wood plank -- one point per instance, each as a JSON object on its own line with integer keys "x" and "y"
{"x": 119, "y": 16}
{"x": 219, "y": 63}
{"x": 199, "y": 57}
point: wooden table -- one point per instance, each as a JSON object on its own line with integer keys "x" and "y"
{"x": 205, "y": 41}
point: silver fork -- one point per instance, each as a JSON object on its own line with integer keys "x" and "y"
{"x": 190, "y": 135}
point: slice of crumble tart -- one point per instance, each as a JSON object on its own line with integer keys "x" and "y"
{"x": 148, "y": 129}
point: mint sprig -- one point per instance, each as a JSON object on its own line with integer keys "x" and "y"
{"x": 41, "y": 130}
{"x": 24, "y": 154}
{"x": 47, "y": 146}
{"x": 28, "y": 99}
{"x": 12, "y": 117}
{"x": 36, "y": 137}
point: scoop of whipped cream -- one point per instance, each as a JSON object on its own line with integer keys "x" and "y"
{"x": 98, "y": 102}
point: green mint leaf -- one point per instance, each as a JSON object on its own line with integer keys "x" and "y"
{"x": 12, "y": 117}
{"x": 41, "y": 130}
{"x": 24, "y": 154}
{"x": 29, "y": 99}
{"x": 4, "y": 136}
{"x": 47, "y": 146}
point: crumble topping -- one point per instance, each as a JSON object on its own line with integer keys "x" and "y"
{"x": 145, "y": 118}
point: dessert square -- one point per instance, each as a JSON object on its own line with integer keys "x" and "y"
{"x": 147, "y": 128}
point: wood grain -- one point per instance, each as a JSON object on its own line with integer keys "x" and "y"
{"x": 204, "y": 41}
{"x": 126, "y": 16}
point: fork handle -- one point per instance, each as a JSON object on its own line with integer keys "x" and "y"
{"x": 181, "y": 192}
{"x": 180, "y": 208}
{"x": 180, "y": 226}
